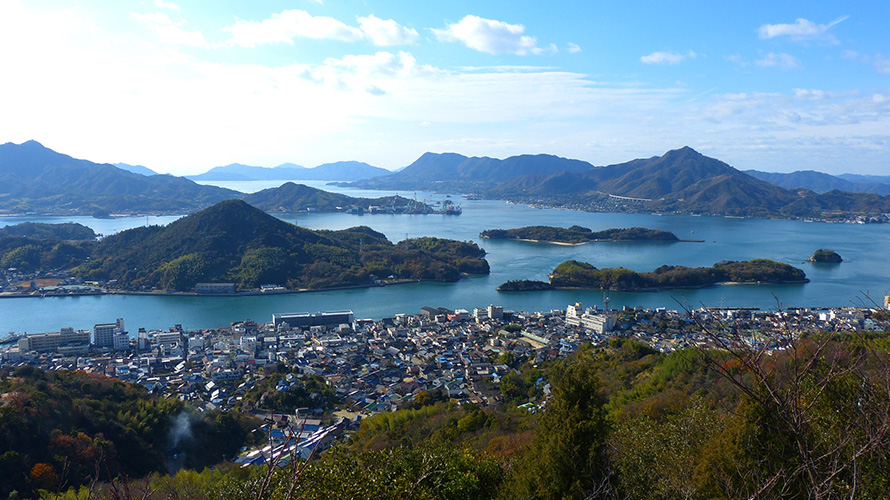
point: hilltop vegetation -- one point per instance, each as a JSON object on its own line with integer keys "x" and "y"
{"x": 234, "y": 242}
{"x": 578, "y": 234}
{"x": 622, "y": 421}
{"x": 574, "y": 274}
{"x": 291, "y": 197}
{"x": 40, "y": 230}
{"x": 57, "y": 427}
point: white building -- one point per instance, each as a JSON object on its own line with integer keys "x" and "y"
{"x": 103, "y": 334}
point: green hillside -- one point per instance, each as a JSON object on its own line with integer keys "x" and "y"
{"x": 235, "y": 242}
{"x": 574, "y": 274}
{"x": 578, "y": 234}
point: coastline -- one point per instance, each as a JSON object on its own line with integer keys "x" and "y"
{"x": 687, "y": 287}
{"x": 247, "y": 293}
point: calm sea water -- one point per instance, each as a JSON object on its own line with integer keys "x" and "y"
{"x": 864, "y": 272}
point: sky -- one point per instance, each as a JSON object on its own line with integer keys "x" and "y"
{"x": 181, "y": 86}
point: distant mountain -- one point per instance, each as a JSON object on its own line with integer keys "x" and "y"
{"x": 684, "y": 181}
{"x": 820, "y": 182}
{"x": 136, "y": 169}
{"x": 340, "y": 171}
{"x": 451, "y": 171}
{"x": 34, "y": 178}
{"x": 291, "y": 197}
{"x": 880, "y": 179}
{"x": 235, "y": 242}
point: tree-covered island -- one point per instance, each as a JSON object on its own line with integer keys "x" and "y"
{"x": 576, "y": 235}
{"x": 233, "y": 242}
{"x": 574, "y": 274}
{"x": 825, "y": 256}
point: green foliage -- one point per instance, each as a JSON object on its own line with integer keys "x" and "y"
{"x": 72, "y": 422}
{"x": 578, "y": 234}
{"x": 576, "y": 274}
{"x": 43, "y": 231}
{"x": 234, "y": 242}
{"x": 567, "y": 458}
{"x": 183, "y": 273}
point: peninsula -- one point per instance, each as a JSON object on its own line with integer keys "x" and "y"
{"x": 575, "y": 274}
{"x": 576, "y": 235}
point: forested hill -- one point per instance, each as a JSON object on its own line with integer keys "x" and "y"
{"x": 291, "y": 197}
{"x": 578, "y": 234}
{"x": 40, "y": 230}
{"x": 451, "y": 171}
{"x": 574, "y": 274}
{"x": 235, "y": 242}
{"x": 36, "y": 178}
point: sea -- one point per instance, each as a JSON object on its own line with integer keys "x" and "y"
{"x": 863, "y": 279}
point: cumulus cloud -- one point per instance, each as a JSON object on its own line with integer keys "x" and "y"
{"x": 781, "y": 61}
{"x": 667, "y": 57}
{"x": 290, "y": 24}
{"x": 170, "y": 31}
{"x": 385, "y": 32}
{"x": 801, "y": 30}
{"x": 490, "y": 36}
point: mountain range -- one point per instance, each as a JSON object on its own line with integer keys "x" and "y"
{"x": 136, "y": 169}
{"x": 34, "y": 178}
{"x": 820, "y": 182}
{"x": 339, "y": 171}
{"x": 680, "y": 181}
{"x": 455, "y": 172}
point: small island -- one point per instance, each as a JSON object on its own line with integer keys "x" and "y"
{"x": 577, "y": 235}
{"x": 825, "y": 256}
{"x": 574, "y": 274}
{"x": 525, "y": 286}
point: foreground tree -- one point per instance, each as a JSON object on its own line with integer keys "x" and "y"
{"x": 816, "y": 408}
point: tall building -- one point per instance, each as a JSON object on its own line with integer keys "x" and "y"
{"x": 103, "y": 334}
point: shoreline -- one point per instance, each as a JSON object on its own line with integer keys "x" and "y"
{"x": 248, "y": 293}
{"x": 687, "y": 287}
{"x": 568, "y": 244}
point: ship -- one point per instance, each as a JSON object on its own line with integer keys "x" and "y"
{"x": 449, "y": 208}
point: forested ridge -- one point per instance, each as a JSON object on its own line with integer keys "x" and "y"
{"x": 575, "y": 274}
{"x": 578, "y": 234}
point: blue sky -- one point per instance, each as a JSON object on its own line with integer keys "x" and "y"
{"x": 184, "y": 85}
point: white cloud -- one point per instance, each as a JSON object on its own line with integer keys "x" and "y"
{"x": 667, "y": 57}
{"x": 170, "y": 32}
{"x": 802, "y": 30}
{"x": 386, "y": 32}
{"x": 781, "y": 61}
{"x": 490, "y": 36}
{"x": 574, "y": 48}
{"x": 166, "y": 5}
{"x": 881, "y": 63}
{"x": 290, "y": 24}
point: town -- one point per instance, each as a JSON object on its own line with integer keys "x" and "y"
{"x": 373, "y": 366}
